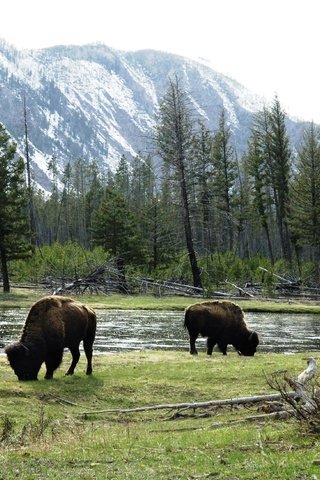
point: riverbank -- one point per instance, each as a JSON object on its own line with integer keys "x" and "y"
{"x": 48, "y": 428}
{"x": 24, "y": 298}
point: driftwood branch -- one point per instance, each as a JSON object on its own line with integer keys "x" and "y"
{"x": 309, "y": 373}
{"x": 281, "y": 415}
{"x": 194, "y": 405}
{"x": 241, "y": 290}
{"x": 305, "y": 404}
{"x": 285, "y": 280}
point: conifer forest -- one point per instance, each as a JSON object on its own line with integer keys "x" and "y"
{"x": 190, "y": 209}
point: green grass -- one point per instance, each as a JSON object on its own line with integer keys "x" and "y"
{"x": 20, "y": 297}
{"x": 45, "y": 433}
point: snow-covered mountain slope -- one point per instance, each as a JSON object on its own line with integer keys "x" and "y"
{"x": 94, "y": 102}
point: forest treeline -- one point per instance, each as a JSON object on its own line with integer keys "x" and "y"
{"x": 196, "y": 212}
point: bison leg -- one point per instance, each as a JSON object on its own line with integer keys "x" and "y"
{"x": 52, "y": 362}
{"x": 87, "y": 346}
{"x": 75, "y": 352}
{"x": 193, "y": 349}
{"x": 223, "y": 347}
{"x": 210, "y": 344}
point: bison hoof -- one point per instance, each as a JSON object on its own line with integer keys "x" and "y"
{"x": 69, "y": 373}
{"x": 48, "y": 377}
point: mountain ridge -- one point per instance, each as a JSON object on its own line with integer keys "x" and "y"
{"x": 98, "y": 103}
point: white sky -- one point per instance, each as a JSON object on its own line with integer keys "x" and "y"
{"x": 270, "y": 46}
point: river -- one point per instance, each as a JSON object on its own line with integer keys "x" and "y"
{"x": 127, "y": 330}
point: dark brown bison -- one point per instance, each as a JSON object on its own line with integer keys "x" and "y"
{"x": 223, "y": 323}
{"x": 53, "y": 323}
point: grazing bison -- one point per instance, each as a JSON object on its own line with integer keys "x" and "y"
{"x": 223, "y": 323}
{"x": 53, "y": 323}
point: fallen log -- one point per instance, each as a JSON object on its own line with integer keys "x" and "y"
{"x": 193, "y": 405}
{"x": 241, "y": 290}
{"x": 285, "y": 280}
{"x": 283, "y": 414}
{"x": 305, "y": 402}
{"x": 280, "y": 415}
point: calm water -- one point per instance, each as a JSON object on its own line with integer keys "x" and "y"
{"x": 138, "y": 330}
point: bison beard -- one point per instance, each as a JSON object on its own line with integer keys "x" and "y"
{"x": 222, "y": 323}
{"x": 53, "y": 323}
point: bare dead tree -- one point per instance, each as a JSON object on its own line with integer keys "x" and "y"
{"x": 305, "y": 404}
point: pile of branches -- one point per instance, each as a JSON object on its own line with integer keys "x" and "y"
{"x": 304, "y": 404}
{"x": 102, "y": 279}
{"x": 281, "y": 287}
{"x": 110, "y": 277}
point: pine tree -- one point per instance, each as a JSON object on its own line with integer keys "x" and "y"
{"x": 174, "y": 141}
{"x": 53, "y": 203}
{"x": 114, "y": 228}
{"x": 14, "y": 224}
{"x": 94, "y": 196}
{"x": 279, "y": 161}
{"x": 80, "y": 170}
{"x": 144, "y": 205}
{"x": 305, "y": 195}
{"x": 122, "y": 179}
{"x": 225, "y": 172}
{"x": 202, "y": 180}
{"x": 255, "y": 166}
{"x": 66, "y": 205}
{"x": 169, "y": 235}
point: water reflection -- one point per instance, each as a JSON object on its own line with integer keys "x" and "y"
{"x": 122, "y": 330}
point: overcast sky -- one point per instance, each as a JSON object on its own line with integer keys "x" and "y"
{"x": 270, "y": 46}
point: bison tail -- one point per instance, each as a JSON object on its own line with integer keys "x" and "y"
{"x": 186, "y": 322}
{"x": 92, "y": 321}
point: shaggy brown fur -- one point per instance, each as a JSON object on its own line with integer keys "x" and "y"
{"x": 53, "y": 323}
{"x": 222, "y": 323}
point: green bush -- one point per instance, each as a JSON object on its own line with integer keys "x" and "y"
{"x": 70, "y": 260}
{"x": 67, "y": 260}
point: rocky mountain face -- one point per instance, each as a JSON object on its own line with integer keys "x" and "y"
{"x": 97, "y": 103}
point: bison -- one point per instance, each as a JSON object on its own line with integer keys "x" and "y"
{"x": 53, "y": 323}
{"x": 222, "y": 322}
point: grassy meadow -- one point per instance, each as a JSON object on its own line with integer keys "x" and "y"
{"x": 58, "y": 429}
{"x": 25, "y": 297}
{"x": 53, "y": 429}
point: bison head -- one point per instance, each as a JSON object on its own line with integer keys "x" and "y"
{"x": 249, "y": 345}
{"x": 23, "y": 360}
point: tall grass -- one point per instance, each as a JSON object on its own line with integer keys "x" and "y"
{"x": 45, "y": 432}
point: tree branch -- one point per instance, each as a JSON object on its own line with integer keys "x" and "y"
{"x": 194, "y": 405}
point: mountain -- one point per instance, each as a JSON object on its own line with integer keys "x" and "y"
{"x": 94, "y": 102}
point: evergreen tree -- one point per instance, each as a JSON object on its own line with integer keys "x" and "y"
{"x": 279, "y": 161}
{"x": 121, "y": 179}
{"x": 255, "y": 166}
{"x": 202, "y": 182}
{"x": 14, "y": 224}
{"x": 225, "y": 172}
{"x": 53, "y": 203}
{"x": 41, "y": 216}
{"x": 169, "y": 235}
{"x": 80, "y": 178}
{"x": 94, "y": 196}
{"x": 145, "y": 207}
{"x": 174, "y": 141}
{"x": 66, "y": 205}
{"x": 305, "y": 195}
{"x": 114, "y": 228}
